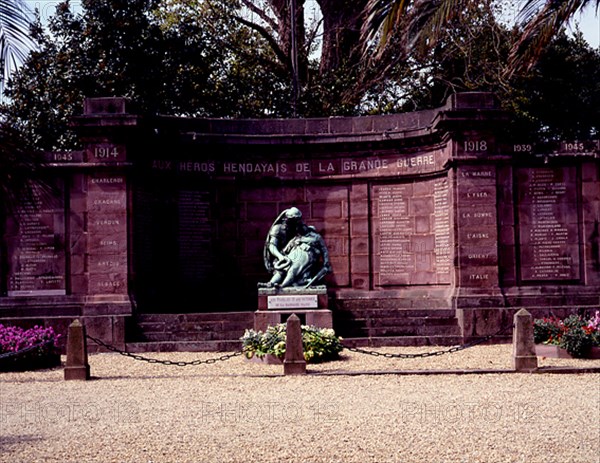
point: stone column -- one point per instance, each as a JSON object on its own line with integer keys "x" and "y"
{"x": 106, "y": 130}
{"x": 473, "y": 120}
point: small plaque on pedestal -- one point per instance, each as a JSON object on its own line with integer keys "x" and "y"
{"x": 311, "y": 298}
{"x": 301, "y": 301}
{"x": 275, "y": 305}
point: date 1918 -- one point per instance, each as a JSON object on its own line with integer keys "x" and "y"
{"x": 475, "y": 146}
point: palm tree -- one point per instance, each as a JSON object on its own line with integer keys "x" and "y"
{"x": 541, "y": 20}
{"x": 15, "y": 41}
{"x": 17, "y": 161}
{"x": 423, "y": 20}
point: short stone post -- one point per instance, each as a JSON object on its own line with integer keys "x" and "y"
{"x": 294, "y": 363}
{"x": 77, "y": 359}
{"x": 524, "y": 358}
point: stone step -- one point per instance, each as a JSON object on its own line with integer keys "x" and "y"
{"x": 208, "y": 331}
{"x": 386, "y": 327}
{"x": 418, "y": 330}
{"x": 397, "y": 313}
{"x": 184, "y": 346}
{"x": 406, "y": 341}
{"x": 406, "y": 303}
{"x": 190, "y": 336}
{"x": 191, "y": 327}
{"x": 197, "y": 317}
{"x": 413, "y": 321}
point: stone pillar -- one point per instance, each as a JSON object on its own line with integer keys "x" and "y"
{"x": 294, "y": 363}
{"x": 77, "y": 359}
{"x": 106, "y": 129}
{"x": 524, "y": 358}
{"x": 473, "y": 121}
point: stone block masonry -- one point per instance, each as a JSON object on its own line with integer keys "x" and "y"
{"x": 436, "y": 215}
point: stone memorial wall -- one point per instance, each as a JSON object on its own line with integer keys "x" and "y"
{"x": 435, "y": 212}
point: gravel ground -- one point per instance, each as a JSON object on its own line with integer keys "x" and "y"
{"x": 239, "y": 411}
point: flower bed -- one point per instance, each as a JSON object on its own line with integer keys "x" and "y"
{"x": 29, "y": 349}
{"x": 578, "y": 335}
{"x": 320, "y": 344}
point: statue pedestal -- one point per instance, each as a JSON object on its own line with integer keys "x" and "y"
{"x": 275, "y": 305}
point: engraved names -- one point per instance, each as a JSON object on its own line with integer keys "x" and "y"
{"x": 395, "y": 256}
{"x": 548, "y": 224}
{"x": 413, "y": 233}
{"x": 194, "y": 236}
{"x": 36, "y": 248}
{"x": 441, "y": 229}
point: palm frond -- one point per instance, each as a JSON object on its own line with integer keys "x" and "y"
{"x": 416, "y": 21}
{"x": 15, "y": 41}
{"x": 382, "y": 19}
{"x": 430, "y": 17}
{"x": 540, "y": 21}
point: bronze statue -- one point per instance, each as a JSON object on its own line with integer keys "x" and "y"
{"x": 294, "y": 253}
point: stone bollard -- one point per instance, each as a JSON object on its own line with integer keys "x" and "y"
{"x": 294, "y": 363}
{"x": 524, "y": 358}
{"x": 77, "y": 359}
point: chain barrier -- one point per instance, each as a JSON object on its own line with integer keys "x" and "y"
{"x": 238, "y": 353}
{"x": 163, "y": 362}
{"x": 430, "y": 354}
{"x": 25, "y": 350}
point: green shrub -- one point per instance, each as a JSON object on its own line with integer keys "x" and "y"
{"x": 320, "y": 344}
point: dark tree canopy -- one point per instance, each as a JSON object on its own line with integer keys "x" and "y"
{"x": 213, "y": 58}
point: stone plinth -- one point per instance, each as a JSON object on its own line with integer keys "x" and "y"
{"x": 292, "y": 298}
{"x": 319, "y": 318}
{"x": 275, "y": 305}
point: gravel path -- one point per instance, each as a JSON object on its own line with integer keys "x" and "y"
{"x": 238, "y": 411}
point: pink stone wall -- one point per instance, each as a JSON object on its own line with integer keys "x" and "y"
{"x": 431, "y": 213}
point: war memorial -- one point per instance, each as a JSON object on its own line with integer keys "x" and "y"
{"x": 438, "y": 225}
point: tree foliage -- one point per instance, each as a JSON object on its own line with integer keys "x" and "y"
{"x": 164, "y": 62}
{"x": 420, "y": 22}
{"x": 540, "y": 22}
{"x": 560, "y": 97}
{"x": 213, "y": 58}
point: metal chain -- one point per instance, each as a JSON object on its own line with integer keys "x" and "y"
{"x": 25, "y": 350}
{"x": 351, "y": 349}
{"x": 429, "y": 354}
{"x": 163, "y": 362}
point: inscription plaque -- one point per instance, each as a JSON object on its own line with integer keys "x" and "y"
{"x": 304, "y": 301}
{"x": 194, "y": 235}
{"x": 36, "y": 247}
{"x": 107, "y": 233}
{"x": 548, "y": 224}
{"x": 413, "y": 233}
{"x": 395, "y": 229}
{"x": 441, "y": 229}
